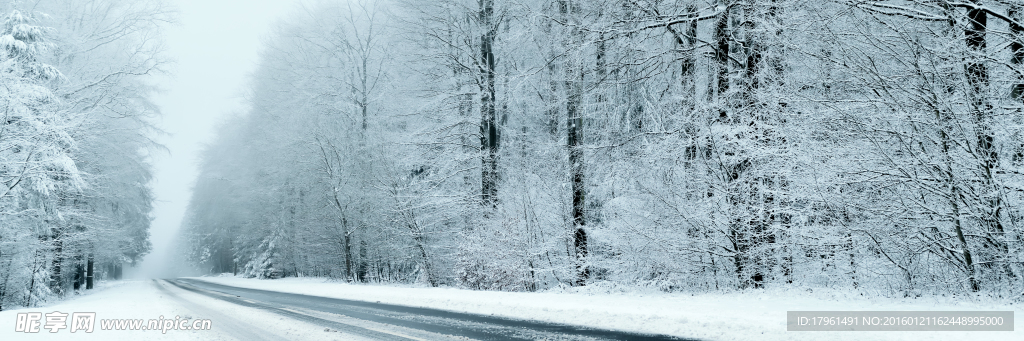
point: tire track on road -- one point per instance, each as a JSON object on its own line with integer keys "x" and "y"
{"x": 341, "y": 327}
{"x": 222, "y": 323}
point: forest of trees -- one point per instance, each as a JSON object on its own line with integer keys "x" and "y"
{"x": 696, "y": 145}
{"x": 75, "y": 140}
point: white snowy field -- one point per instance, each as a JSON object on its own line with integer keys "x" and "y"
{"x": 146, "y": 299}
{"x": 751, "y": 315}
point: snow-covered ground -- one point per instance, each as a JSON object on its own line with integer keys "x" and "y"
{"x": 750, "y": 315}
{"x": 146, "y": 299}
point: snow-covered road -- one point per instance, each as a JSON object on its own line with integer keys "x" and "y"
{"x": 251, "y": 314}
{"x": 746, "y": 315}
{"x": 399, "y": 322}
{"x": 318, "y": 309}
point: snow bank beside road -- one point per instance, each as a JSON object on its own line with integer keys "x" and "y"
{"x": 735, "y": 316}
{"x": 146, "y": 299}
{"x": 128, "y": 299}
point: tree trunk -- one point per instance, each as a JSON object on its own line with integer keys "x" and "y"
{"x": 88, "y": 273}
{"x": 364, "y": 95}
{"x": 991, "y": 195}
{"x": 945, "y": 120}
{"x": 744, "y": 223}
{"x": 421, "y": 246}
{"x": 32, "y": 280}
{"x": 762, "y": 184}
{"x": 348, "y": 250}
{"x": 965, "y": 251}
{"x": 720, "y": 58}
{"x": 574, "y": 126}
{"x": 764, "y": 69}
{"x": 363, "y": 262}
{"x": 79, "y": 278}
{"x": 576, "y": 165}
{"x": 687, "y": 42}
{"x": 488, "y": 125}
{"x": 56, "y": 282}
{"x": 1016, "y": 12}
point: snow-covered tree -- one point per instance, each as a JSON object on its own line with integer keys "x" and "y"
{"x": 685, "y": 145}
{"x": 76, "y": 200}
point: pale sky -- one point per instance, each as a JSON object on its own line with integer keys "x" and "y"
{"x": 215, "y": 46}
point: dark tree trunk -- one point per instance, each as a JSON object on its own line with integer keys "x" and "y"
{"x": 578, "y": 186}
{"x": 751, "y": 198}
{"x": 574, "y": 126}
{"x": 56, "y": 282}
{"x": 720, "y": 58}
{"x": 1016, "y": 12}
{"x": 422, "y": 248}
{"x": 489, "y": 133}
{"x": 764, "y": 186}
{"x": 88, "y": 273}
{"x": 32, "y": 281}
{"x": 742, "y": 222}
{"x": 349, "y": 275}
{"x": 79, "y": 278}
{"x": 978, "y": 78}
{"x": 688, "y": 44}
{"x": 363, "y": 262}
{"x": 954, "y": 193}
{"x": 965, "y": 251}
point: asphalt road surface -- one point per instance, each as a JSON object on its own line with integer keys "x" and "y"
{"x": 394, "y": 322}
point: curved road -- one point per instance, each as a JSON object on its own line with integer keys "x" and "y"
{"x": 393, "y": 322}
